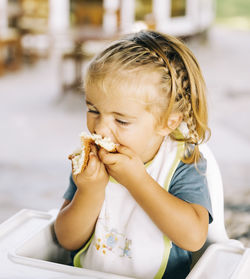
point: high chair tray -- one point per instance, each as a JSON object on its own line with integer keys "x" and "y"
{"x": 28, "y": 249}
{"x": 223, "y": 261}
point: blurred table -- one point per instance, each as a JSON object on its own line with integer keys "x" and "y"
{"x": 82, "y": 52}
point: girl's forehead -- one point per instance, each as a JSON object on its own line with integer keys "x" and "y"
{"x": 134, "y": 86}
{"x": 95, "y": 95}
{"x": 115, "y": 102}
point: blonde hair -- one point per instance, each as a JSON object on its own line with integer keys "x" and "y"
{"x": 165, "y": 66}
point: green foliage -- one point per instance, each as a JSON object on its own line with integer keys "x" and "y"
{"x": 232, "y": 8}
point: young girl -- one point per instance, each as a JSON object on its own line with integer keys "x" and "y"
{"x": 140, "y": 212}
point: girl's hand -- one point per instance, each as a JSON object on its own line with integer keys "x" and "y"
{"x": 94, "y": 177}
{"x": 125, "y": 167}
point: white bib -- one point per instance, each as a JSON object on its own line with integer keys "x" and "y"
{"x": 126, "y": 241}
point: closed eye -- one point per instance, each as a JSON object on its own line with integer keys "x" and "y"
{"x": 93, "y": 111}
{"x": 122, "y": 122}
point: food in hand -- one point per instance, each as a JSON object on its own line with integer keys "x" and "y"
{"x": 80, "y": 157}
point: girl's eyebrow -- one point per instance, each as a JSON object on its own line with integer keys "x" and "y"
{"x": 124, "y": 115}
{"x": 90, "y": 104}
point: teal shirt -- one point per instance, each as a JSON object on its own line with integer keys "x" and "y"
{"x": 189, "y": 185}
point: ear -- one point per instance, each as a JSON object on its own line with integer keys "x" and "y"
{"x": 174, "y": 120}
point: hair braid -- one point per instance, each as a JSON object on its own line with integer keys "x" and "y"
{"x": 183, "y": 90}
{"x": 188, "y": 88}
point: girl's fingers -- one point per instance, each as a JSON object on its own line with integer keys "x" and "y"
{"x": 106, "y": 157}
{"x": 93, "y": 149}
{"x": 92, "y": 163}
{"x": 111, "y": 158}
{"x": 125, "y": 151}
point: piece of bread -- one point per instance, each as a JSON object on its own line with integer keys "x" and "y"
{"x": 80, "y": 157}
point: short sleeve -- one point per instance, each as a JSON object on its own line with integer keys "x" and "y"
{"x": 70, "y": 192}
{"x": 189, "y": 183}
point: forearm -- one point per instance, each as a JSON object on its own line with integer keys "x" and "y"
{"x": 76, "y": 221}
{"x": 184, "y": 223}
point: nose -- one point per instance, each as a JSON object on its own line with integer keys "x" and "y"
{"x": 103, "y": 128}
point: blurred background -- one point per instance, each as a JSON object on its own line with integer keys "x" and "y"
{"x": 45, "y": 46}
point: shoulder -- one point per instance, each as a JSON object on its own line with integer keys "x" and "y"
{"x": 189, "y": 183}
{"x": 190, "y": 171}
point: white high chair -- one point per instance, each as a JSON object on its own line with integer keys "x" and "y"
{"x": 223, "y": 257}
{"x": 28, "y": 247}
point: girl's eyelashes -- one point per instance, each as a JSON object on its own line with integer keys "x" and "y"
{"x": 122, "y": 122}
{"x": 93, "y": 111}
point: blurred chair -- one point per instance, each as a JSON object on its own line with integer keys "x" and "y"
{"x": 35, "y": 46}
{"x": 10, "y": 51}
{"x": 78, "y": 57}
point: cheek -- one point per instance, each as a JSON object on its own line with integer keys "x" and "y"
{"x": 90, "y": 123}
{"x": 131, "y": 138}
{"x": 143, "y": 138}
{"x": 124, "y": 136}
